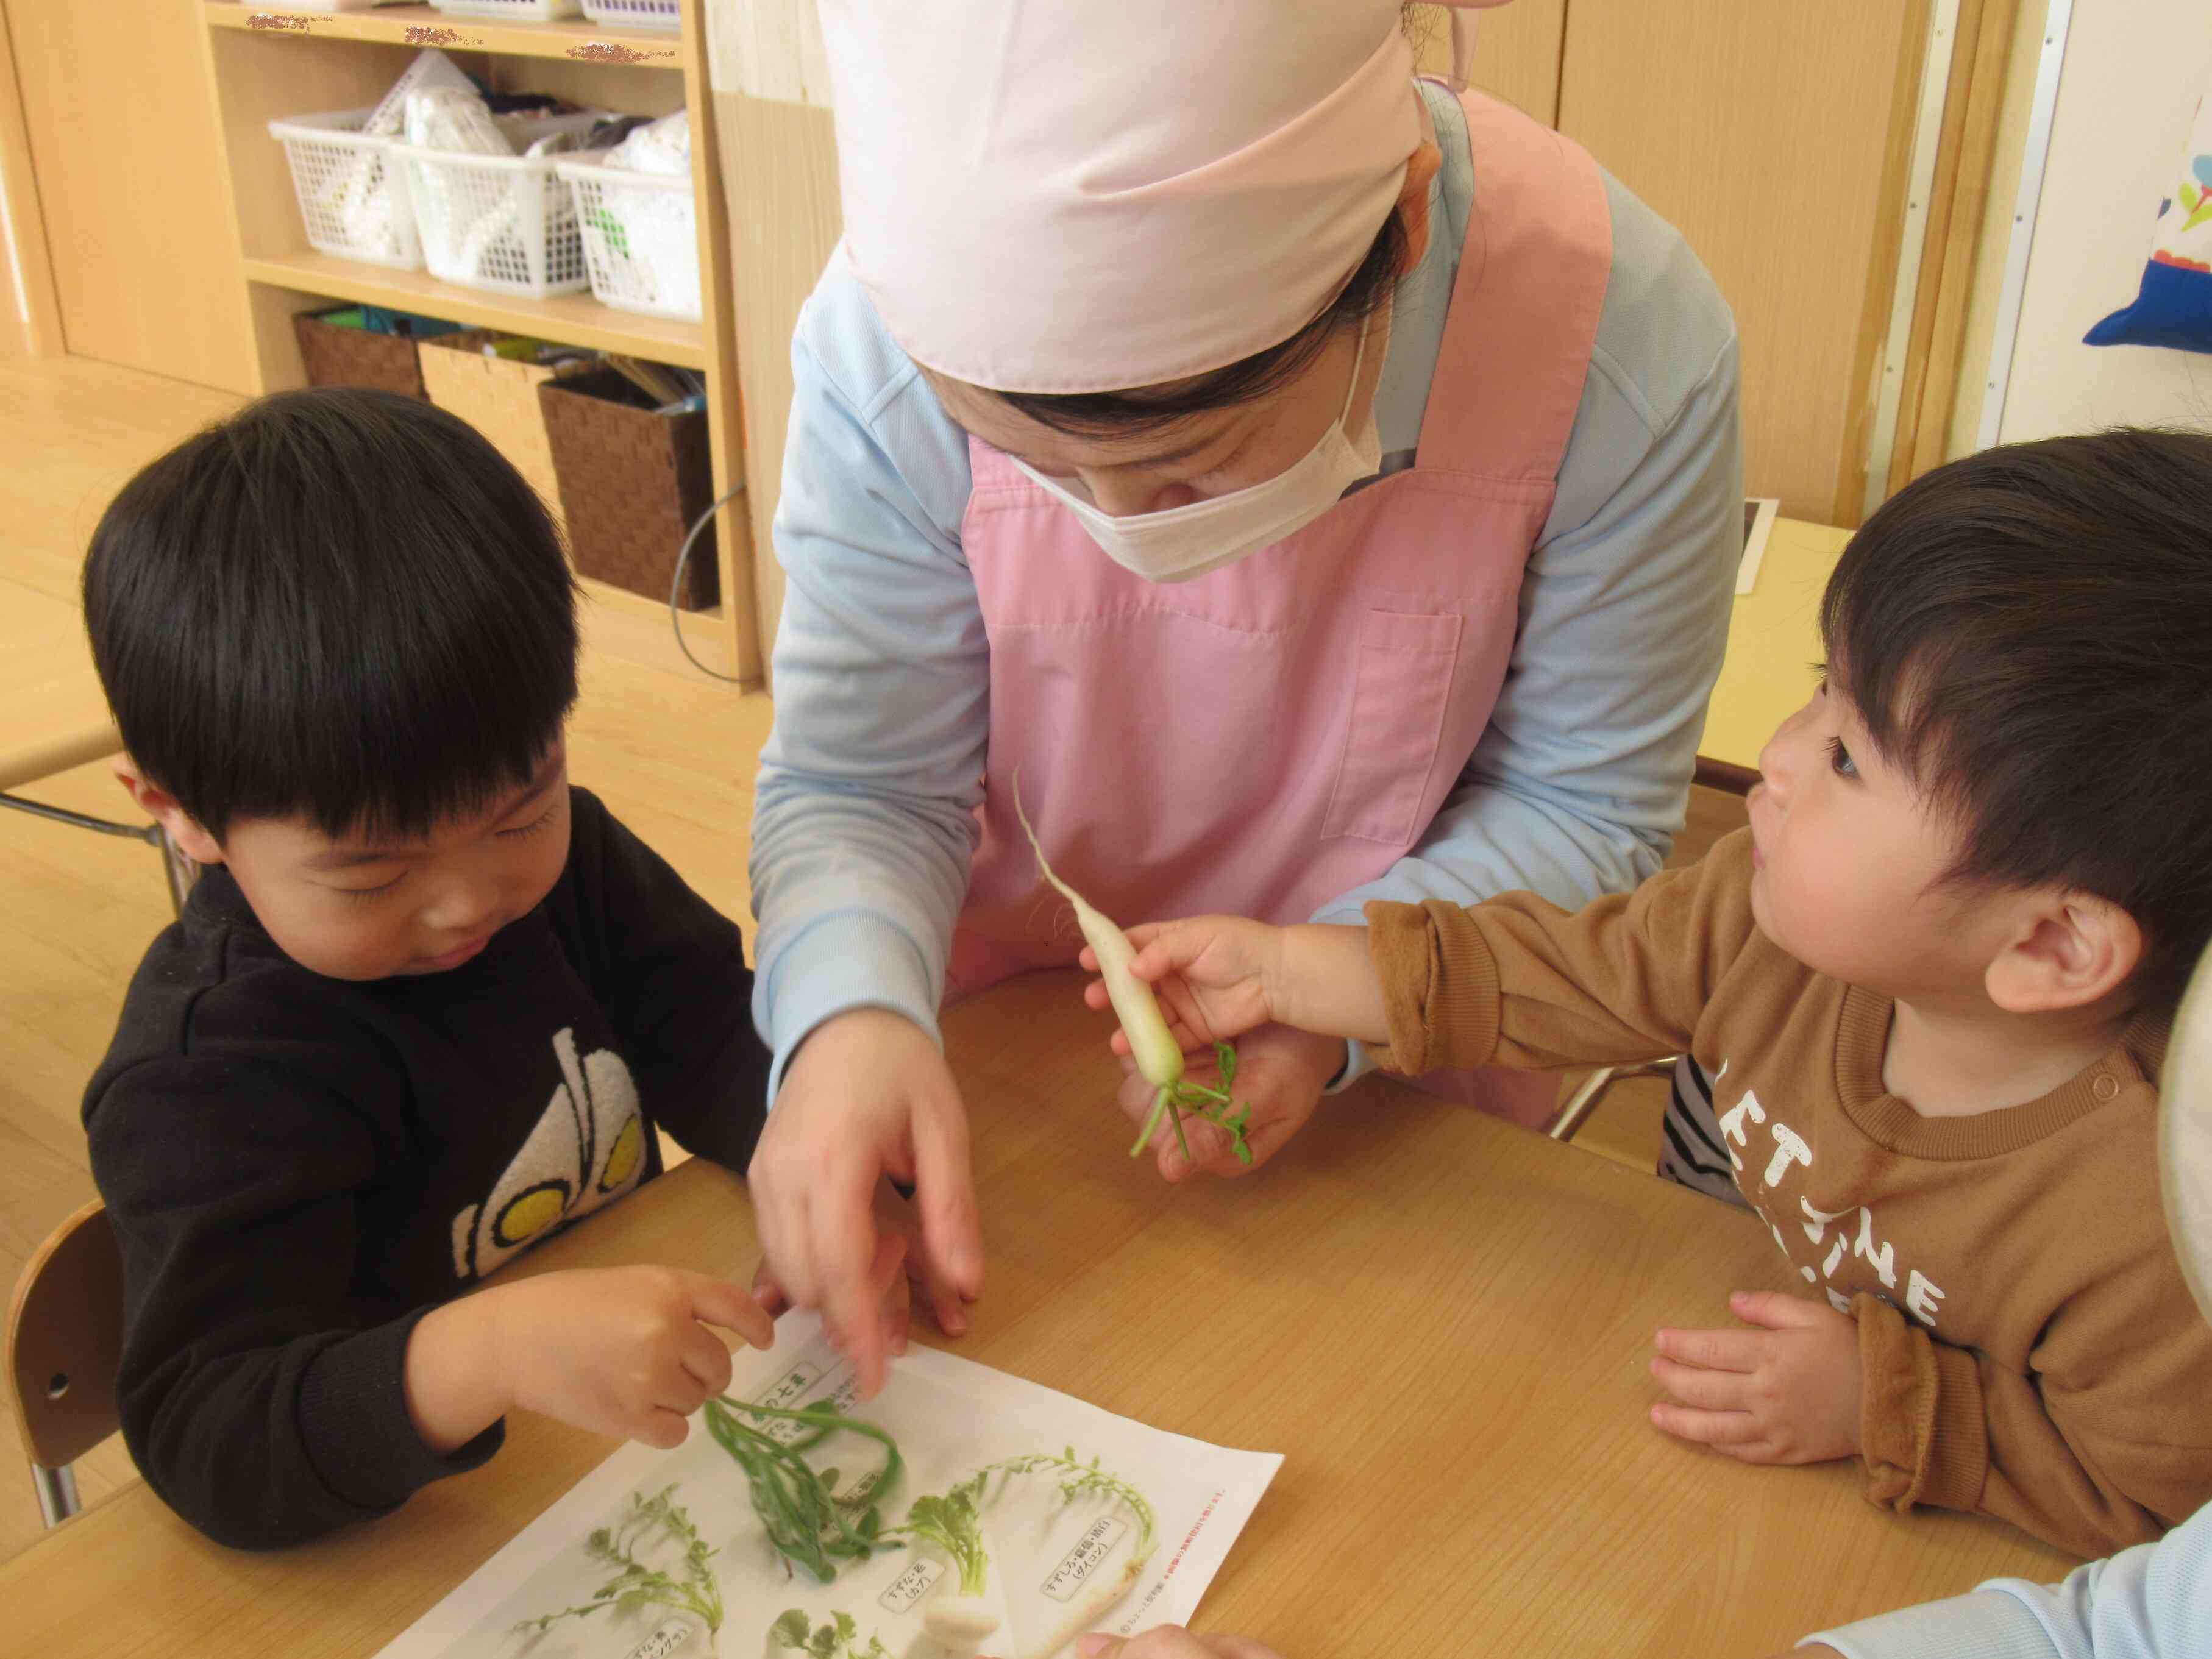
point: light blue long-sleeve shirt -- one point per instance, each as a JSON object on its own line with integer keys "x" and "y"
{"x": 2153, "y": 1601}
{"x": 864, "y": 822}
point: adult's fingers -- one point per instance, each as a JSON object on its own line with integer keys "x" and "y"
{"x": 897, "y": 1301}
{"x": 841, "y": 1228}
{"x": 767, "y": 1290}
{"x": 945, "y": 1192}
{"x": 719, "y": 1302}
{"x": 1717, "y": 1350}
{"x": 947, "y": 1306}
{"x": 779, "y": 1214}
{"x": 1173, "y": 1642}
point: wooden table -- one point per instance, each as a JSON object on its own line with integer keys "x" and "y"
{"x": 53, "y": 715}
{"x": 1441, "y": 1320}
{"x": 1774, "y": 638}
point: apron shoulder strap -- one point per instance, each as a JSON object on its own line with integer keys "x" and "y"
{"x": 1524, "y": 310}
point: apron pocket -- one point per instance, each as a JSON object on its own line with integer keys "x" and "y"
{"x": 1402, "y": 685}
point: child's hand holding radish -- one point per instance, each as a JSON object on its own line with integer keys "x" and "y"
{"x": 1281, "y": 1078}
{"x": 1288, "y": 992}
{"x": 1218, "y": 977}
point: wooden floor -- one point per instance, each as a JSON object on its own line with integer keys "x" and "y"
{"x": 673, "y": 755}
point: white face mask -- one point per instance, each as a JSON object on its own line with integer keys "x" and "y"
{"x": 1182, "y": 542}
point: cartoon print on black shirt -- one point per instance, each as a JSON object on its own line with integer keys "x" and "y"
{"x": 588, "y": 1148}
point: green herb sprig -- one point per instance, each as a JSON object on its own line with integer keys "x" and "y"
{"x": 1213, "y": 1105}
{"x": 838, "y": 1639}
{"x": 808, "y": 1523}
{"x": 955, "y": 1525}
{"x": 636, "y": 1584}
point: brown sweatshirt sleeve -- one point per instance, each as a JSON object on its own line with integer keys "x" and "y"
{"x": 2105, "y": 1443}
{"x": 1519, "y": 981}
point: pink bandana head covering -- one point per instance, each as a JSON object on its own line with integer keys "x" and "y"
{"x": 1065, "y": 195}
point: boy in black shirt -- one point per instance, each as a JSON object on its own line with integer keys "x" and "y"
{"x": 428, "y": 1004}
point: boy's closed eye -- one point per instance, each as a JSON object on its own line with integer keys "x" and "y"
{"x": 513, "y": 832}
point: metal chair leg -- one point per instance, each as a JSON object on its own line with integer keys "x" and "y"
{"x": 179, "y": 871}
{"x": 57, "y": 1498}
{"x": 1583, "y": 1103}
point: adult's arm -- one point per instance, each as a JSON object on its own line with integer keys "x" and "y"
{"x": 864, "y": 817}
{"x": 2153, "y": 1601}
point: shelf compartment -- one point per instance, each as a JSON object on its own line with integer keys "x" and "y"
{"x": 573, "y": 40}
{"x": 576, "y": 320}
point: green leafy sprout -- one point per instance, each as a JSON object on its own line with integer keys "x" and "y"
{"x": 1081, "y": 1480}
{"x": 693, "y": 1588}
{"x": 838, "y": 1639}
{"x": 809, "y": 1523}
{"x": 955, "y": 1525}
{"x": 954, "y": 1522}
{"x": 1212, "y": 1104}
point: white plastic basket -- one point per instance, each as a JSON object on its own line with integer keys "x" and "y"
{"x": 641, "y": 237}
{"x": 352, "y": 190}
{"x": 637, "y": 13}
{"x": 538, "y": 11}
{"x": 502, "y": 222}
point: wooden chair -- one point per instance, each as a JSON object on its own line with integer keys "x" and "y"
{"x": 64, "y": 1342}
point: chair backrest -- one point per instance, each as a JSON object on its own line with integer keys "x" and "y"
{"x": 65, "y": 1339}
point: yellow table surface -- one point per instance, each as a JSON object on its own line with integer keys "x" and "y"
{"x": 1442, "y": 1322}
{"x": 1774, "y": 640}
{"x": 52, "y": 715}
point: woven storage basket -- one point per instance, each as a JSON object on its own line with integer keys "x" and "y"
{"x": 632, "y": 483}
{"x": 499, "y": 398}
{"x": 356, "y": 356}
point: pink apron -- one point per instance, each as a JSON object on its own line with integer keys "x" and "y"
{"x": 1265, "y": 739}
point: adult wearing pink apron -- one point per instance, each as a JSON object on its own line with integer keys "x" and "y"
{"x": 1308, "y": 484}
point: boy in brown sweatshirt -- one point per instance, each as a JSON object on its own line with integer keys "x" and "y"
{"x": 1931, "y": 984}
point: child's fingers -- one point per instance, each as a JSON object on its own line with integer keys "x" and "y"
{"x": 1777, "y": 1311}
{"x": 1693, "y": 1385}
{"x": 1715, "y": 1350}
{"x": 1721, "y": 1431}
{"x": 663, "y": 1428}
{"x": 704, "y": 1357}
{"x": 718, "y": 1301}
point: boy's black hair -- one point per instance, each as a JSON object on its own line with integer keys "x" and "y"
{"x": 340, "y": 605}
{"x": 2028, "y": 633}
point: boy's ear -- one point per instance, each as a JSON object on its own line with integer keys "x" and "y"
{"x": 2073, "y": 949}
{"x": 159, "y": 805}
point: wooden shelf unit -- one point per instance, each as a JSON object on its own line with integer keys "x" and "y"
{"x": 266, "y": 63}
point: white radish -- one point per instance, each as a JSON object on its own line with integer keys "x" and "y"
{"x": 959, "y": 1623}
{"x": 1157, "y": 1054}
{"x": 1093, "y": 1608}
